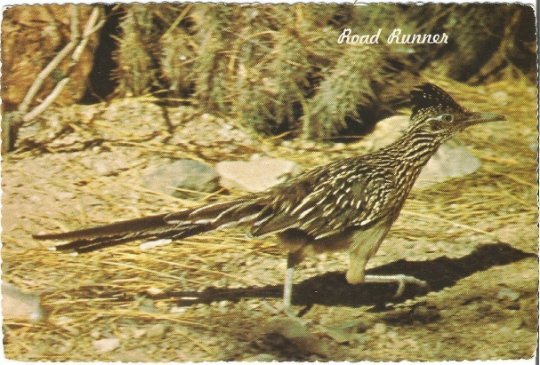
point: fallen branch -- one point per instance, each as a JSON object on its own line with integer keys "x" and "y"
{"x": 42, "y": 76}
{"x": 90, "y": 28}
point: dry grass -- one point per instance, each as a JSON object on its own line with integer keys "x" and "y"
{"x": 102, "y": 294}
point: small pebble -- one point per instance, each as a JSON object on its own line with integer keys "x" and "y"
{"x": 157, "y": 330}
{"x": 223, "y": 303}
{"x": 178, "y": 309}
{"x": 379, "y": 328}
{"x": 65, "y": 347}
{"x": 106, "y": 344}
{"x": 139, "y": 332}
{"x": 64, "y": 195}
{"x": 95, "y": 333}
{"x": 154, "y": 291}
{"x": 500, "y": 97}
{"x": 507, "y": 293}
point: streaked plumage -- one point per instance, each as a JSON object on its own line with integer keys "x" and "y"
{"x": 348, "y": 204}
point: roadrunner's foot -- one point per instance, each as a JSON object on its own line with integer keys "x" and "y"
{"x": 401, "y": 280}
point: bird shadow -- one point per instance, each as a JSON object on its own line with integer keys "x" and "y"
{"x": 331, "y": 288}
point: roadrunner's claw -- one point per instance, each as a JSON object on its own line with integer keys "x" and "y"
{"x": 401, "y": 281}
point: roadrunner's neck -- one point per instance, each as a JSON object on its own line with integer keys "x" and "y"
{"x": 415, "y": 147}
{"x": 407, "y": 156}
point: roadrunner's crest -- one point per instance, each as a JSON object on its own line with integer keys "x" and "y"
{"x": 428, "y": 100}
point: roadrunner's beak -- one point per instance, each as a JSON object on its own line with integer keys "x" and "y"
{"x": 477, "y": 118}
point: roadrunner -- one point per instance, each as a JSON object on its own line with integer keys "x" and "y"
{"x": 349, "y": 204}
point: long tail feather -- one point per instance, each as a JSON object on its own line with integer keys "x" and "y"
{"x": 97, "y": 243}
{"x": 108, "y": 229}
{"x": 178, "y": 225}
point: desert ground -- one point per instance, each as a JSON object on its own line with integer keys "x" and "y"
{"x": 217, "y": 296}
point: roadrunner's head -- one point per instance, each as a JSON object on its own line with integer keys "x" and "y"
{"x": 435, "y": 112}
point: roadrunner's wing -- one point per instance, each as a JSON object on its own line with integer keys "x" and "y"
{"x": 327, "y": 201}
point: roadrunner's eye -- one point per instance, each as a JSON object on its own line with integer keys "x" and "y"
{"x": 447, "y": 118}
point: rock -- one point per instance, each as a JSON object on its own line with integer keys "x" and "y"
{"x": 340, "y": 335}
{"x": 167, "y": 177}
{"x": 296, "y": 332}
{"x": 379, "y": 328}
{"x": 500, "y": 98}
{"x": 255, "y": 175}
{"x": 346, "y": 331}
{"x": 154, "y": 291}
{"x": 506, "y": 331}
{"x": 65, "y": 347}
{"x": 508, "y": 294}
{"x": 138, "y": 332}
{"x": 95, "y": 333}
{"x": 533, "y": 144}
{"x": 107, "y": 165}
{"x": 106, "y": 344}
{"x": 386, "y": 131}
{"x": 64, "y": 195}
{"x": 288, "y": 327}
{"x": 157, "y": 330}
{"x": 449, "y": 162}
{"x": 176, "y": 310}
{"x": 19, "y": 305}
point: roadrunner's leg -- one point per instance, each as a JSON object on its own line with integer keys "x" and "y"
{"x": 400, "y": 279}
{"x": 363, "y": 248}
{"x": 293, "y": 258}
